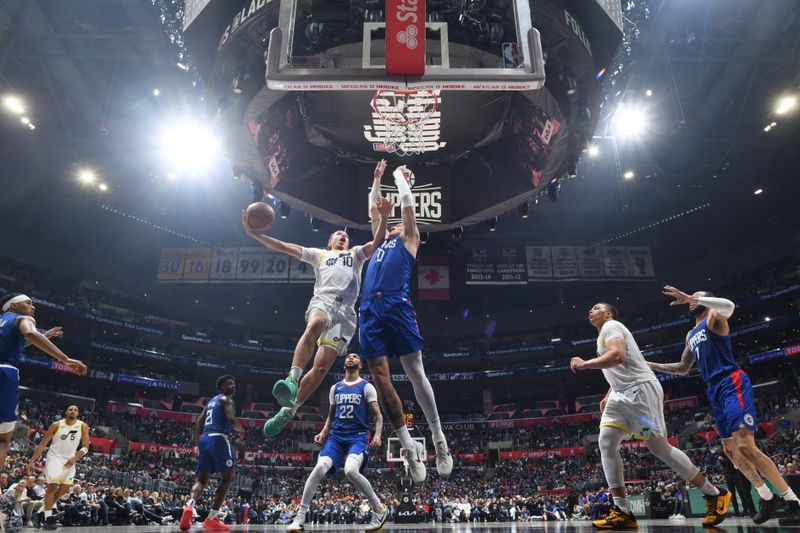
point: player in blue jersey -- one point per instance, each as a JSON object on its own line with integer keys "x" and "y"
{"x": 388, "y": 327}
{"x": 353, "y": 402}
{"x": 731, "y": 396}
{"x": 18, "y": 329}
{"x": 212, "y": 434}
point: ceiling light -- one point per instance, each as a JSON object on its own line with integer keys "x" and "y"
{"x": 758, "y": 191}
{"x": 555, "y": 339}
{"x": 14, "y": 105}
{"x": 628, "y": 175}
{"x": 172, "y": 175}
{"x": 593, "y": 151}
{"x": 103, "y": 187}
{"x": 182, "y": 66}
{"x": 156, "y": 92}
{"x": 31, "y": 126}
{"x": 86, "y": 176}
{"x": 523, "y": 210}
{"x": 767, "y": 319}
{"x": 786, "y": 104}
{"x": 284, "y": 210}
{"x": 492, "y": 223}
{"x": 189, "y": 146}
{"x": 629, "y": 121}
{"x": 25, "y": 120}
{"x": 649, "y": 92}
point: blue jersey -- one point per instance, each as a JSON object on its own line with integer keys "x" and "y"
{"x": 351, "y": 412}
{"x": 712, "y": 352}
{"x": 216, "y": 422}
{"x": 11, "y": 340}
{"x": 389, "y": 270}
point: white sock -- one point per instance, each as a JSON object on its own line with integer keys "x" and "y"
{"x": 295, "y": 406}
{"x": 405, "y": 437}
{"x": 212, "y": 514}
{"x": 296, "y": 372}
{"x": 190, "y": 503}
{"x": 622, "y": 503}
{"x": 789, "y": 495}
{"x": 48, "y": 513}
{"x": 764, "y": 492}
{"x": 709, "y": 489}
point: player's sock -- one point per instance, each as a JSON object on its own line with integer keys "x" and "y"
{"x": 301, "y": 512}
{"x": 405, "y": 437}
{"x": 48, "y": 513}
{"x": 709, "y": 489}
{"x": 295, "y": 406}
{"x": 296, "y": 372}
{"x": 789, "y": 495}
{"x": 212, "y": 514}
{"x": 622, "y": 503}
{"x": 764, "y": 492}
{"x": 190, "y": 502}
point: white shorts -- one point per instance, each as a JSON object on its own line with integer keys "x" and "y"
{"x": 56, "y": 472}
{"x": 340, "y": 323}
{"x": 638, "y": 410}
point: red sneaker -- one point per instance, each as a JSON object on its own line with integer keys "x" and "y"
{"x": 186, "y": 519}
{"x": 215, "y": 525}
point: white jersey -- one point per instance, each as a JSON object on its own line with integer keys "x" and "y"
{"x": 337, "y": 273}
{"x": 66, "y": 440}
{"x": 634, "y": 370}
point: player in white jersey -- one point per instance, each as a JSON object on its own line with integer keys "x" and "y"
{"x": 70, "y": 442}
{"x": 634, "y": 407}
{"x": 330, "y": 317}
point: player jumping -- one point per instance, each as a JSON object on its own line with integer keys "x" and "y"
{"x": 214, "y": 452}
{"x": 634, "y": 407}
{"x": 18, "y": 329}
{"x": 388, "y": 327}
{"x": 731, "y": 397}
{"x": 59, "y": 465}
{"x": 346, "y": 438}
{"x": 330, "y": 317}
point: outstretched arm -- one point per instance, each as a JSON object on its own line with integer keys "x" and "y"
{"x": 27, "y": 327}
{"x": 719, "y": 309}
{"x": 375, "y": 195}
{"x": 682, "y": 368}
{"x": 384, "y": 207}
{"x": 270, "y": 242}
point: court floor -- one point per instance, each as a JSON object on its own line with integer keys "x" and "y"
{"x": 731, "y": 525}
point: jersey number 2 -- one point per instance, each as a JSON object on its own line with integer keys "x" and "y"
{"x": 209, "y": 414}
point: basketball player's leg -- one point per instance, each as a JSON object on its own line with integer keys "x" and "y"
{"x": 5, "y": 441}
{"x": 746, "y": 446}
{"x": 9, "y": 398}
{"x": 317, "y": 321}
{"x": 318, "y": 473}
{"x": 353, "y": 467}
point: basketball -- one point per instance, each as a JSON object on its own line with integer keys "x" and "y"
{"x": 260, "y": 216}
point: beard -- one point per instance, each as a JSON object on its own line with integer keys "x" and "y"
{"x": 697, "y": 311}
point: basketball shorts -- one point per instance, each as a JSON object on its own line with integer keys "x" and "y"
{"x": 338, "y": 447}
{"x": 215, "y": 453}
{"x": 9, "y": 398}
{"x": 56, "y": 472}
{"x": 388, "y": 326}
{"x": 638, "y": 410}
{"x": 732, "y": 404}
{"x": 340, "y": 323}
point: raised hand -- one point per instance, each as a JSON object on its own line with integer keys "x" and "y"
{"x": 54, "y": 332}
{"x": 379, "y": 169}
{"x": 385, "y": 206}
{"x": 76, "y": 365}
{"x": 681, "y": 298}
{"x": 247, "y": 229}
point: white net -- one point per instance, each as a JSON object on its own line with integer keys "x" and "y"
{"x": 403, "y": 117}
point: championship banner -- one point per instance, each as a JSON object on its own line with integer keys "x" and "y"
{"x": 433, "y": 277}
{"x": 572, "y": 263}
{"x": 565, "y": 262}
{"x": 539, "y": 262}
{"x": 496, "y": 266}
{"x": 590, "y": 262}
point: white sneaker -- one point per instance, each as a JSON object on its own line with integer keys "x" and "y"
{"x": 296, "y": 526}
{"x": 444, "y": 461}
{"x": 378, "y": 521}
{"x": 416, "y": 462}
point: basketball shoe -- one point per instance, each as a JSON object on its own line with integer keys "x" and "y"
{"x": 416, "y": 462}
{"x": 296, "y": 526}
{"x": 285, "y": 391}
{"x": 444, "y": 461}
{"x": 768, "y": 508}
{"x": 378, "y": 521}
{"x": 215, "y": 525}
{"x": 186, "y": 518}
{"x": 616, "y": 519}
{"x": 716, "y": 508}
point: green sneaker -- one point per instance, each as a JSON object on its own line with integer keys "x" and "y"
{"x": 275, "y": 425}
{"x": 285, "y": 391}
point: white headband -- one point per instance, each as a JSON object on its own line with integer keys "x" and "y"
{"x": 15, "y": 300}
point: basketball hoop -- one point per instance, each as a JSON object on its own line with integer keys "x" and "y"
{"x": 404, "y": 114}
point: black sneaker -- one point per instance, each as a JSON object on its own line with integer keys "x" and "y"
{"x": 50, "y": 523}
{"x": 767, "y": 509}
{"x": 791, "y": 516}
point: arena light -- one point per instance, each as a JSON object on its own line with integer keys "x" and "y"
{"x": 523, "y": 210}
{"x": 786, "y": 104}
{"x": 14, "y": 105}
{"x": 649, "y": 92}
{"x": 629, "y": 175}
{"x": 31, "y": 126}
{"x": 758, "y": 191}
{"x": 156, "y": 92}
{"x": 189, "y": 146}
{"x": 456, "y": 233}
{"x": 314, "y": 224}
{"x": 86, "y": 176}
{"x": 103, "y": 187}
{"x": 182, "y": 66}
{"x": 629, "y": 121}
{"x": 284, "y": 210}
{"x": 593, "y": 151}
{"x": 492, "y": 223}
{"x": 25, "y": 120}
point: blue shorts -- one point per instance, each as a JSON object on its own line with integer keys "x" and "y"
{"x": 9, "y": 394}
{"x": 388, "y": 326}
{"x": 732, "y": 404}
{"x": 215, "y": 454}
{"x": 338, "y": 447}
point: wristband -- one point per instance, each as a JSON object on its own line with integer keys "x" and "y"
{"x": 84, "y": 450}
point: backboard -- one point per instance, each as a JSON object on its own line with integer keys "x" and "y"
{"x": 393, "y": 449}
{"x": 405, "y": 44}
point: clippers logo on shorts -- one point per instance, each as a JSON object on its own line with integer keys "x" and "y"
{"x": 748, "y": 419}
{"x": 405, "y": 37}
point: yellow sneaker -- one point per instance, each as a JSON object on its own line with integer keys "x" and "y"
{"x": 716, "y": 508}
{"x": 616, "y": 519}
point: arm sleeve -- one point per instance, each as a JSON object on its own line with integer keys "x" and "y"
{"x": 611, "y": 330}
{"x": 370, "y": 393}
{"x": 310, "y": 255}
{"x": 723, "y": 306}
{"x": 332, "y": 394}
